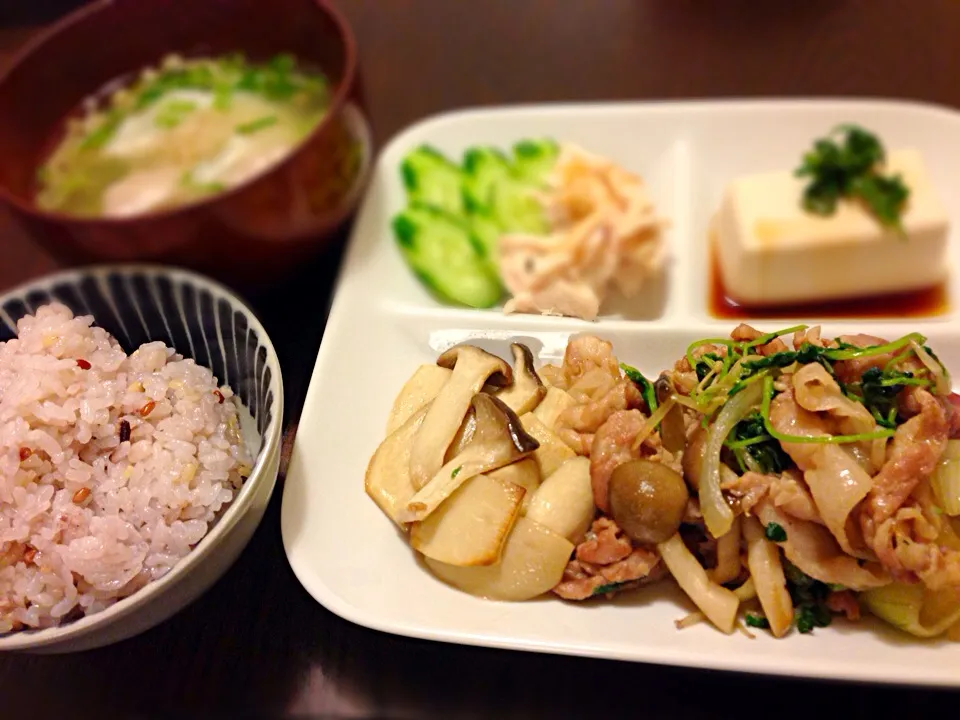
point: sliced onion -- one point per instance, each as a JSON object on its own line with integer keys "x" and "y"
{"x": 744, "y": 593}
{"x": 913, "y": 609}
{"x": 952, "y": 451}
{"x": 945, "y": 483}
{"x": 716, "y": 512}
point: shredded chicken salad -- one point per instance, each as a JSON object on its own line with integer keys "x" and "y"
{"x": 604, "y": 233}
{"x": 780, "y": 479}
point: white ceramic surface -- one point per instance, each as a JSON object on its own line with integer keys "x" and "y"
{"x": 383, "y": 324}
{"x": 204, "y": 320}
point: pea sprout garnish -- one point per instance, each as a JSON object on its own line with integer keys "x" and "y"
{"x": 723, "y": 372}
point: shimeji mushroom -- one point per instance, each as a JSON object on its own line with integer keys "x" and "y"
{"x": 647, "y": 500}
{"x": 763, "y": 559}
{"x": 472, "y": 369}
{"x": 527, "y": 389}
{"x": 499, "y": 439}
{"x": 719, "y": 604}
{"x": 673, "y": 432}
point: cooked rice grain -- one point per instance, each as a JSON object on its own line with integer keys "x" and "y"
{"x": 86, "y": 519}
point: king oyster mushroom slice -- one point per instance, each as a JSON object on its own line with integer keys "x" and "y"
{"x": 498, "y": 440}
{"x": 387, "y": 480}
{"x": 463, "y": 437}
{"x": 472, "y": 369}
{"x": 527, "y": 389}
{"x": 522, "y": 396}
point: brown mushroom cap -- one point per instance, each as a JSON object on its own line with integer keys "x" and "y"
{"x": 673, "y": 432}
{"x": 523, "y": 358}
{"x": 527, "y": 389}
{"x": 647, "y": 500}
{"x": 495, "y": 419}
{"x": 502, "y": 377}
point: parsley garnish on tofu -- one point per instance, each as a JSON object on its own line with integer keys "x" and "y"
{"x": 846, "y": 165}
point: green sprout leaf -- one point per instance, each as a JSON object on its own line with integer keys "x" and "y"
{"x": 845, "y": 165}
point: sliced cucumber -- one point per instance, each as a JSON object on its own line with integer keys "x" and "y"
{"x": 445, "y": 255}
{"x": 431, "y": 179}
{"x": 515, "y": 208}
{"x": 534, "y": 159}
{"x": 492, "y": 181}
{"x": 483, "y": 167}
{"x": 487, "y": 231}
{"x": 450, "y": 232}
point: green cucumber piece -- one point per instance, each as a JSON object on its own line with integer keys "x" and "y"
{"x": 487, "y": 231}
{"x": 432, "y": 179}
{"x": 444, "y": 254}
{"x": 516, "y": 209}
{"x": 483, "y": 168}
{"x": 534, "y": 159}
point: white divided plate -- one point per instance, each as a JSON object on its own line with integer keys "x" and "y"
{"x": 383, "y": 325}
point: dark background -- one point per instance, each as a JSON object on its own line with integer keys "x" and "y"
{"x": 257, "y": 644}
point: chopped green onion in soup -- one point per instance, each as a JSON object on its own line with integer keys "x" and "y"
{"x": 182, "y": 131}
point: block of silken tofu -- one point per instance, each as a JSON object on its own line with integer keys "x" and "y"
{"x": 772, "y": 252}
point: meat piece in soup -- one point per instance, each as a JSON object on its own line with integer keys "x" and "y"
{"x": 179, "y": 133}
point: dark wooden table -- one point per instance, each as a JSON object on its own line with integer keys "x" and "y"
{"x": 257, "y": 644}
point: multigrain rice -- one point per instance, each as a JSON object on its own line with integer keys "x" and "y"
{"x": 100, "y": 495}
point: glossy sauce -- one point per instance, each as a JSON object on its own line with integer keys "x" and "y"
{"x": 929, "y": 302}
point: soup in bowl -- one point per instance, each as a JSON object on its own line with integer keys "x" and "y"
{"x": 229, "y": 139}
{"x": 179, "y": 133}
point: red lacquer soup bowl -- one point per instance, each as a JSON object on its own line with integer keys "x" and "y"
{"x": 251, "y": 233}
